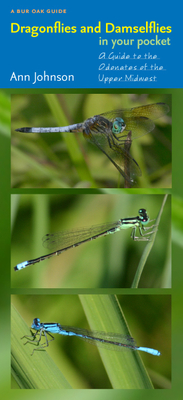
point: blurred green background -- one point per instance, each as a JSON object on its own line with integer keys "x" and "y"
{"x": 148, "y": 318}
{"x": 67, "y": 160}
{"x": 110, "y": 261}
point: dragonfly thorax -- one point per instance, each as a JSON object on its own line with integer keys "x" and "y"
{"x": 118, "y": 125}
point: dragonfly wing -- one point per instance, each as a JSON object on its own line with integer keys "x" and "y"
{"x": 139, "y": 120}
{"x": 112, "y": 341}
{"x": 116, "y": 153}
{"x": 60, "y": 240}
{"x": 139, "y": 126}
{"x": 151, "y": 111}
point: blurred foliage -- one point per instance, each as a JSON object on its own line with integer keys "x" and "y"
{"x": 67, "y": 160}
{"x": 5, "y": 109}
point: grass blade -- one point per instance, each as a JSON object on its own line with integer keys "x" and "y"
{"x": 38, "y": 372}
{"x": 147, "y": 249}
{"x": 70, "y": 140}
{"x": 124, "y": 368}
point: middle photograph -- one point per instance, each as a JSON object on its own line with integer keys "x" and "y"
{"x": 91, "y": 241}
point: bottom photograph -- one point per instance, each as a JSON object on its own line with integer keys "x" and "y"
{"x": 91, "y": 341}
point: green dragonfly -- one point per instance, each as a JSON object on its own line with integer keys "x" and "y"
{"x": 112, "y": 132}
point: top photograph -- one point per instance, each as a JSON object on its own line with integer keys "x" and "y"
{"x": 91, "y": 140}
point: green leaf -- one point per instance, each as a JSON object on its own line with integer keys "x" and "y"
{"x": 147, "y": 249}
{"x": 125, "y": 369}
{"x": 32, "y": 372}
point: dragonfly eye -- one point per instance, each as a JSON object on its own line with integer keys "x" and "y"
{"x": 143, "y": 215}
{"x": 118, "y": 125}
{"x": 36, "y": 322}
{"x": 142, "y": 211}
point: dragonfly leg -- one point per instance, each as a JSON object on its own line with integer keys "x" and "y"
{"x": 147, "y": 228}
{"x": 32, "y": 340}
{"x": 141, "y": 239}
{"x": 111, "y": 137}
{"x": 32, "y": 337}
{"x": 36, "y": 342}
{"x": 45, "y": 344}
{"x": 110, "y": 140}
{"x": 121, "y": 138}
{"x": 150, "y": 227}
{"x": 151, "y": 220}
{"x": 143, "y": 236}
{"x": 147, "y": 234}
